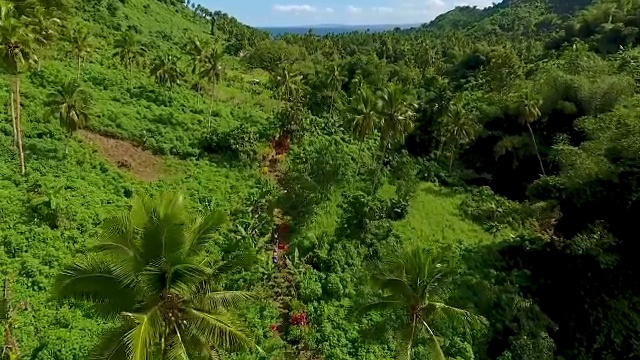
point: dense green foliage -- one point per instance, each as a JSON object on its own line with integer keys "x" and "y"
{"x": 462, "y": 190}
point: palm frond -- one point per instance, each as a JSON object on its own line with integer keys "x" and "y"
{"x": 223, "y": 300}
{"x": 111, "y": 346}
{"x": 117, "y": 237}
{"x": 164, "y": 233}
{"x": 201, "y": 230}
{"x": 217, "y": 330}
{"x": 398, "y": 287}
{"x": 380, "y": 305}
{"x": 108, "y": 283}
{"x": 471, "y": 319}
{"x": 176, "y": 346}
{"x": 189, "y": 279}
{"x": 141, "y": 339}
{"x": 435, "y": 344}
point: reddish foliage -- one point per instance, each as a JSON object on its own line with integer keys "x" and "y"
{"x": 283, "y": 247}
{"x": 299, "y": 319}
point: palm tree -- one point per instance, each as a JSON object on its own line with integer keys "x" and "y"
{"x": 334, "y": 82}
{"x": 286, "y": 84}
{"x": 416, "y": 285}
{"x": 166, "y": 71}
{"x": 150, "y": 271}
{"x": 212, "y": 72}
{"x": 43, "y": 26}
{"x": 70, "y": 104}
{"x": 530, "y": 112}
{"x": 397, "y": 114}
{"x": 129, "y": 51}
{"x": 81, "y": 45}
{"x": 196, "y": 49}
{"x": 363, "y": 111}
{"x": 457, "y": 129}
{"x": 18, "y": 51}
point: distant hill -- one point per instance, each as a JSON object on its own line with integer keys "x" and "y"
{"x": 332, "y": 29}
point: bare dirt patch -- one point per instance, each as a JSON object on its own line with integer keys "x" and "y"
{"x": 127, "y": 156}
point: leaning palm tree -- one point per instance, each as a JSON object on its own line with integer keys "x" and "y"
{"x": 397, "y": 112}
{"x": 416, "y": 285}
{"x": 81, "y": 43}
{"x": 149, "y": 270}
{"x": 212, "y": 72}
{"x": 530, "y": 112}
{"x": 70, "y": 104}
{"x": 166, "y": 71}
{"x": 17, "y": 51}
{"x": 129, "y": 51}
{"x": 363, "y": 117}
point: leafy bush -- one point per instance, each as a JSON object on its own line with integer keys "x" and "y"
{"x": 240, "y": 140}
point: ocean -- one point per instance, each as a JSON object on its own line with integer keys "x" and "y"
{"x": 322, "y": 30}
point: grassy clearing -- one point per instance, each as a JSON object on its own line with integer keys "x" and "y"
{"x": 434, "y": 218}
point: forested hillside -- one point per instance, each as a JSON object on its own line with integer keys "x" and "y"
{"x": 177, "y": 185}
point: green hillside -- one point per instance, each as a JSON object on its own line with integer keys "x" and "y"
{"x": 193, "y": 189}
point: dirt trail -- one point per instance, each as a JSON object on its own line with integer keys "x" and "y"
{"x": 125, "y": 155}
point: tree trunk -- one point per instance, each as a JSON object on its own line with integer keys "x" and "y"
{"x": 210, "y": 110}
{"x": 13, "y": 115}
{"x": 18, "y": 127}
{"x": 413, "y": 334}
{"x": 535, "y": 146}
{"x": 79, "y": 66}
{"x": 450, "y": 162}
{"x": 376, "y": 178}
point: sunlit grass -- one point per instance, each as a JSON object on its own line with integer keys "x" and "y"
{"x": 434, "y": 218}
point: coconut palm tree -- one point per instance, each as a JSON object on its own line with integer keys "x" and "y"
{"x": 397, "y": 115}
{"x": 457, "y": 129}
{"x": 530, "y": 112}
{"x": 212, "y": 72}
{"x": 129, "y": 51}
{"x": 166, "y": 71}
{"x": 43, "y": 26}
{"x": 197, "y": 50}
{"x": 70, "y": 104}
{"x": 363, "y": 112}
{"x": 286, "y": 84}
{"x": 414, "y": 284}
{"x": 17, "y": 51}
{"x": 149, "y": 271}
{"x": 334, "y": 81}
{"x": 81, "y": 43}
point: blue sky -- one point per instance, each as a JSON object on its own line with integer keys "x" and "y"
{"x": 308, "y": 12}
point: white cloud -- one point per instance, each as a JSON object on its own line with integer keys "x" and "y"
{"x": 353, "y": 9}
{"x": 437, "y": 3}
{"x": 382, "y": 9}
{"x": 295, "y": 8}
{"x": 329, "y": 10}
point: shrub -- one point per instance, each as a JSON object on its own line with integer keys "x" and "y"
{"x": 240, "y": 141}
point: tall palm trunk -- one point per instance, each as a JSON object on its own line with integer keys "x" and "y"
{"x": 535, "y": 146}
{"x": 18, "y": 127}
{"x": 210, "y": 109}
